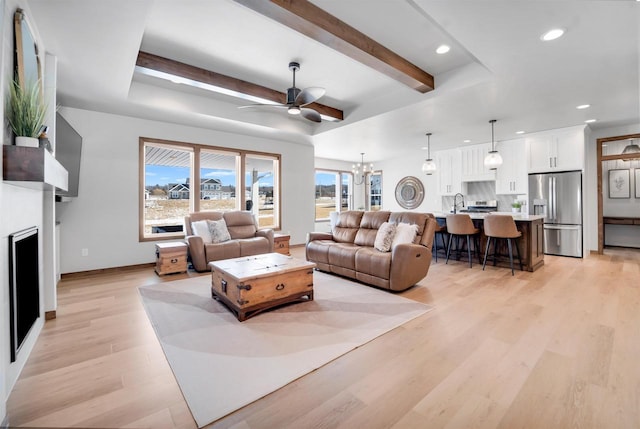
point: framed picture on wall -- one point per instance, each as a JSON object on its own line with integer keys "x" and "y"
{"x": 637, "y": 183}
{"x": 619, "y": 184}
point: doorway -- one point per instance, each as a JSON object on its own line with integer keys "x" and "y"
{"x": 621, "y": 160}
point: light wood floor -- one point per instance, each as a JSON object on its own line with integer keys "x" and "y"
{"x": 558, "y": 348}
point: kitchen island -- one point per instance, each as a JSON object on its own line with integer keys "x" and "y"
{"x": 531, "y": 243}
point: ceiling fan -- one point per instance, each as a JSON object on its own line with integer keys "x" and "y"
{"x": 297, "y": 99}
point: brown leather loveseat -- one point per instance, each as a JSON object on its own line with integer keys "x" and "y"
{"x": 244, "y": 238}
{"x": 349, "y": 250}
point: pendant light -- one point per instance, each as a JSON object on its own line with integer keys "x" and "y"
{"x": 429, "y": 166}
{"x": 493, "y": 160}
{"x": 631, "y": 148}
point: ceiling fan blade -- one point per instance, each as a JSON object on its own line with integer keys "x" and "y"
{"x": 310, "y": 114}
{"x": 281, "y": 106}
{"x": 309, "y": 95}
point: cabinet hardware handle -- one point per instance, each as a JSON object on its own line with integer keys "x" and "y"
{"x": 174, "y": 260}
{"x": 223, "y": 284}
{"x": 245, "y": 287}
{"x": 280, "y": 286}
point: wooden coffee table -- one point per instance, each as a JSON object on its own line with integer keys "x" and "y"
{"x": 252, "y": 284}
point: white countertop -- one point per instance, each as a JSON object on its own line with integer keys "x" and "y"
{"x": 516, "y": 216}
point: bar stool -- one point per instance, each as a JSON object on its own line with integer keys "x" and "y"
{"x": 501, "y": 227}
{"x": 459, "y": 225}
{"x": 441, "y": 230}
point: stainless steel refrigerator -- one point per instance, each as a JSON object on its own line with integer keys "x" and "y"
{"x": 558, "y": 197}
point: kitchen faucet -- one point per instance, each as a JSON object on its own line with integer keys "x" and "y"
{"x": 455, "y": 205}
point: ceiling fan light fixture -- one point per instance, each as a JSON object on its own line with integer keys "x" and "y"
{"x": 493, "y": 159}
{"x": 293, "y": 110}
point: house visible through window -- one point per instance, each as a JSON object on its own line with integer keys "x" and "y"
{"x": 169, "y": 170}
{"x": 333, "y": 192}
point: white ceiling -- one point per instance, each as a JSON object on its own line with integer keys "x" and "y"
{"x": 497, "y": 68}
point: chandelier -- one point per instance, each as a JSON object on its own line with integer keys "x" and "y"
{"x": 360, "y": 170}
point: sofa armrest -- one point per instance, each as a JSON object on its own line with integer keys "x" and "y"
{"x": 196, "y": 251}
{"x": 409, "y": 264}
{"x": 319, "y": 236}
{"x": 268, "y": 234}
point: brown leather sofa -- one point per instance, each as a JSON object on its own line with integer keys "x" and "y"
{"x": 246, "y": 238}
{"x": 349, "y": 250}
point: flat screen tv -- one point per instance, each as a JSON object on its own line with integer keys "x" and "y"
{"x": 68, "y": 153}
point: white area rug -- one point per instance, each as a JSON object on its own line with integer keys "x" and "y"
{"x": 222, "y": 365}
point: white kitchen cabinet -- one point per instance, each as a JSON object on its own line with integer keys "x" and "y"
{"x": 449, "y": 174}
{"x": 511, "y": 176}
{"x": 557, "y": 150}
{"x": 473, "y": 169}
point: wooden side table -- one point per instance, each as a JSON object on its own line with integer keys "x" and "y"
{"x": 171, "y": 258}
{"x": 281, "y": 243}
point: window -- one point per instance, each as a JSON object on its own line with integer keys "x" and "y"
{"x": 375, "y": 191}
{"x": 169, "y": 169}
{"x": 261, "y": 188}
{"x": 333, "y": 192}
{"x": 219, "y": 180}
{"x": 167, "y": 193}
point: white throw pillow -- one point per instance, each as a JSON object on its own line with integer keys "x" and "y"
{"x": 405, "y": 234}
{"x": 384, "y": 237}
{"x": 218, "y": 230}
{"x": 201, "y": 229}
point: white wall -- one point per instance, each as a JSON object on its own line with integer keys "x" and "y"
{"x": 20, "y": 208}
{"x": 394, "y": 170}
{"x": 104, "y": 216}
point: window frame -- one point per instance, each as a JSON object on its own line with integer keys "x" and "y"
{"x": 194, "y": 195}
{"x": 338, "y": 192}
{"x": 370, "y": 194}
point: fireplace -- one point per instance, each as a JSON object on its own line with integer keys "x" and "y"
{"x": 24, "y": 286}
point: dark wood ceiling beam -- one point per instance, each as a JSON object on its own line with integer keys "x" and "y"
{"x": 308, "y": 19}
{"x": 176, "y": 68}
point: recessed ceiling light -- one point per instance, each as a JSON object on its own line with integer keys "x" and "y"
{"x": 520, "y": 132}
{"x": 585, "y": 106}
{"x": 443, "y": 49}
{"x": 424, "y": 148}
{"x": 589, "y": 121}
{"x": 552, "y": 34}
{"x": 467, "y": 141}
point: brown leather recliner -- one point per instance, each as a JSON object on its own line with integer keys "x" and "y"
{"x": 246, "y": 238}
{"x": 349, "y": 250}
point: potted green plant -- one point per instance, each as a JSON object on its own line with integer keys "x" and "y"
{"x": 516, "y": 206}
{"x": 25, "y": 112}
